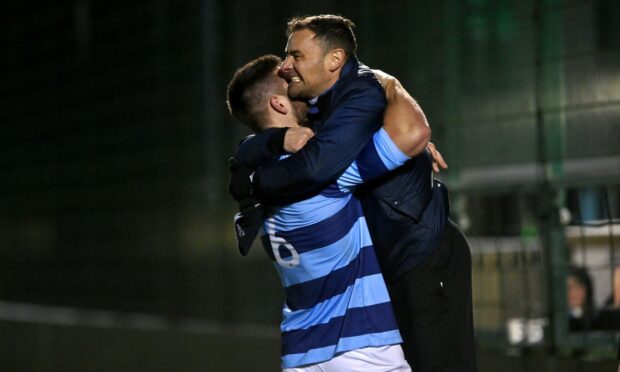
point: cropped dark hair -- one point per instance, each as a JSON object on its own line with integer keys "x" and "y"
{"x": 331, "y": 31}
{"x": 248, "y": 86}
{"x": 583, "y": 277}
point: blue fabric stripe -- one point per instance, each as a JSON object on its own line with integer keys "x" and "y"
{"x": 267, "y": 246}
{"x": 334, "y": 190}
{"x": 366, "y": 291}
{"x": 311, "y": 357}
{"x": 374, "y": 339}
{"x": 307, "y": 294}
{"x": 346, "y": 344}
{"x": 390, "y": 154}
{"x": 378, "y": 157}
{"x": 308, "y": 212}
{"x": 369, "y": 162}
{"x": 320, "y": 262}
{"x": 313, "y": 109}
{"x": 350, "y": 178}
{"x": 325, "y": 232}
{"x": 356, "y": 321}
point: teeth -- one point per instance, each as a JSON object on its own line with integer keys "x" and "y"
{"x": 295, "y": 79}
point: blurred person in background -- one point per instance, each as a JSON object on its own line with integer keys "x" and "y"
{"x": 613, "y": 301}
{"x": 616, "y": 288}
{"x": 580, "y": 299}
{"x": 608, "y": 317}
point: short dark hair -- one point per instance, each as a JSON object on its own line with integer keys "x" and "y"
{"x": 332, "y": 31}
{"x": 249, "y": 86}
{"x": 583, "y": 277}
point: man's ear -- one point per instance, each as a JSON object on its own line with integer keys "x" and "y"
{"x": 336, "y": 58}
{"x": 277, "y": 103}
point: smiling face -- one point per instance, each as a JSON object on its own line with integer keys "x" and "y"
{"x": 298, "y": 108}
{"x": 307, "y": 66}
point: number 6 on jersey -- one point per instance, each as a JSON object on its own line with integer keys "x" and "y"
{"x": 278, "y": 243}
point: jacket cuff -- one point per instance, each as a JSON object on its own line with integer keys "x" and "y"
{"x": 276, "y": 143}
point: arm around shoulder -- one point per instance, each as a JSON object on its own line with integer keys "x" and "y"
{"x": 356, "y": 116}
{"x": 404, "y": 119}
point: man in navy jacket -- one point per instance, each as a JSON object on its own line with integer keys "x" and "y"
{"x": 425, "y": 259}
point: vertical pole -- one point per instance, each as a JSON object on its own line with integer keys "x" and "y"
{"x": 550, "y": 121}
{"x": 451, "y": 85}
{"x": 216, "y": 36}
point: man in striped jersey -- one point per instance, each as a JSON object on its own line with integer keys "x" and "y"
{"x": 337, "y": 314}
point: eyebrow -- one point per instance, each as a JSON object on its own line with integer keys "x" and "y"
{"x": 291, "y": 52}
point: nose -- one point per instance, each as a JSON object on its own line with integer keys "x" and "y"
{"x": 284, "y": 74}
{"x": 286, "y": 65}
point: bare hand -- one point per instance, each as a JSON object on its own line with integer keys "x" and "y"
{"x": 296, "y": 138}
{"x": 438, "y": 160}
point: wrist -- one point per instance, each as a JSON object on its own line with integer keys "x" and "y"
{"x": 276, "y": 143}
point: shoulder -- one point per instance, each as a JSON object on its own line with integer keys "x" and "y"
{"x": 366, "y": 75}
{"x": 363, "y": 77}
{"x": 359, "y": 78}
{"x": 244, "y": 144}
{"x": 261, "y": 139}
{"x": 245, "y": 139}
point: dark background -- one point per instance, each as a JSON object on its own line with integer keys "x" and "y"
{"x": 116, "y": 245}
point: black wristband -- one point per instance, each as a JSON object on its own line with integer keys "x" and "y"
{"x": 276, "y": 143}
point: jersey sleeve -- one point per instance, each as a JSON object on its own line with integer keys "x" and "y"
{"x": 379, "y": 156}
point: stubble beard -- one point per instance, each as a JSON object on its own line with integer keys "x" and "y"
{"x": 294, "y": 93}
{"x": 301, "y": 110}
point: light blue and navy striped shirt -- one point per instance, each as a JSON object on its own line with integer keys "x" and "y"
{"x": 336, "y": 298}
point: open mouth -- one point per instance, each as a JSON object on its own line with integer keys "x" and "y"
{"x": 289, "y": 75}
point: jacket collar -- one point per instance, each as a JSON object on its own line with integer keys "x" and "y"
{"x": 318, "y": 105}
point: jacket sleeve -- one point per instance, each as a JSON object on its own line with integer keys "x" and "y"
{"x": 261, "y": 148}
{"x": 357, "y": 115}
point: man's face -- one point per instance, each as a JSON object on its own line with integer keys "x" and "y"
{"x": 300, "y": 108}
{"x": 305, "y": 66}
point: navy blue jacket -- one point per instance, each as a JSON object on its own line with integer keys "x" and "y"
{"x": 350, "y": 112}
{"x": 406, "y": 210}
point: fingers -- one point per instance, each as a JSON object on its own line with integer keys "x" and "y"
{"x": 304, "y": 136}
{"x": 438, "y": 160}
{"x": 308, "y": 132}
{"x": 296, "y": 138}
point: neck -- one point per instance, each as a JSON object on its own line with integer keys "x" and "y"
{"x": 336, "y": 75}
{"x": 331, "y": 82}
{"x": 279, "y": 125}
{"x": 280, "y": 121}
